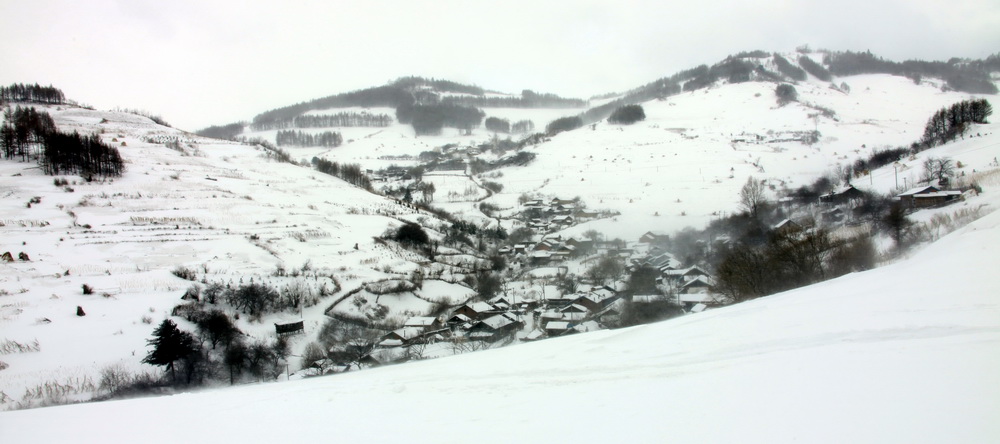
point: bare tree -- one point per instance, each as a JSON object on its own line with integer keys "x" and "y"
{"x": 752, "y": 197}
{"x": 939, "y": 168}
{"x": 607, "y": 269}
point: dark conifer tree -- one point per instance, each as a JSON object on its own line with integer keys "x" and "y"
{"x": 627, "y": 115}
{"x": 170, "y": 344}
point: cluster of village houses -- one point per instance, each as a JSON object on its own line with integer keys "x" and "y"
{"x": 840, "y": 201}
{"x": 557, "y": 314}
{"x": 548, "y": 216}
{"x": 505, "y": 318}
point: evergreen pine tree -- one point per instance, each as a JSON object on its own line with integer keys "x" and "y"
{"x": 169, "y": 345}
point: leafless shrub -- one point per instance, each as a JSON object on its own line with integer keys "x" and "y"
{"x": 10, "y": 346}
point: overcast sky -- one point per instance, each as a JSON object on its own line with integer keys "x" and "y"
{"x": 202, "y": 62}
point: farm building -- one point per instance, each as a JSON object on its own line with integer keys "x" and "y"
{"x": 928, "y": 196}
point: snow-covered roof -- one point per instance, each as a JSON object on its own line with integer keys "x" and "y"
{"x": 692, "y": 270}
{"x": 665, "y": 260}
{"x": 557, "y": 325}
{"x": 785, "y": 223}
{"x": 551, "y": 314}
{"x": 918, "y": 190}
{"x": 390, "y": 343}
{"x": 602, "y": 293}
{"x": 480, "y": 307}
{"x": 574, "y": 307}
{"x": 841, "y": 190}
{"x": 408, "y": 333}
{"x": 938, "y": 194}
{"x": 656, "y": 233}
{"x": 498, "y": 321}
{"x": 420, "y": 321}
{"x": 698, "y": 280}
{"x": 499, "y": 299}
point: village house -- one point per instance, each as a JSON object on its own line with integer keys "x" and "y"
{"x": 476, "y": 310}
{"x": 597, "y": 299}
{"x": 425, "y": 323}
{"x": 556, "y": 328}
{"x": 927, "y": 196}
{"x": 551, "y": 314}
{"x": 501, "y": 302}
{"x": 573, "y": 312}
{"x": 663, "y": 261}
{"x": 580, "y": 245}
{"x": 459, "y": 321}
{"x": 559, "y": 300}
{"x": 546, "y": 245}
{"x": 843, "y": 194}
{"x": 534, "y": 204}
{"x": 654, "y": 237}
{"x": 678, "y": 277}
{"x": 494, "y": 328}
{"x": 541, "y": 257}
{"x": 557, "y": 202}
{"x": 700, "y": 284}
{"x": 562, "y": 220}
{"x": 564, "y": 252}
{"x": 401, "y": 336}
{"x": 786, "y": 226}
{"x": 612, "y": 313}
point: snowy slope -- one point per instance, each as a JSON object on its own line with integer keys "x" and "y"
{"x": 221, "y": 209}
{"x": 904, "y": 353}
{"x": 687, "y": 161}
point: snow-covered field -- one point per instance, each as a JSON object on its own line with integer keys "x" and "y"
{"x": 904, "y": 353}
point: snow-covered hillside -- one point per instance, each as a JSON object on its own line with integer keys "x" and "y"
{"x": 223, "y": 210}
{"x": 685, "y": 163}
{"x": 904, "y": 353}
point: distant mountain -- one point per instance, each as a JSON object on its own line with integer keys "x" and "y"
{"x": 963, "y": 75}
{"x": 409, "y": 91}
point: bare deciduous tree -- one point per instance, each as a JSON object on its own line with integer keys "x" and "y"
{"x": 752, "y": 196}
{"x": 939, "y": 168}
